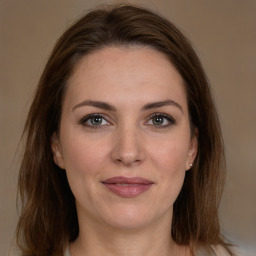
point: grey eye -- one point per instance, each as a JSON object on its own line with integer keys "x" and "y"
{"x": 96, "y": 120}
{"x": 158, "y": 120}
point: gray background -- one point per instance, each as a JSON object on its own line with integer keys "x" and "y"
{"x": 224, "y": 34}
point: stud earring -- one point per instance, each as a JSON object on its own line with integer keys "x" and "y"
{"x": 190, "y": 165}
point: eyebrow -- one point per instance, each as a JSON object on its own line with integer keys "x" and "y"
{"x": 162, "y": 104}
{"x": 106, "y": 106}
{"x": 97, "y": 104}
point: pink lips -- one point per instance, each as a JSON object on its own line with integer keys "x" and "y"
{"x": 127, "y": 187}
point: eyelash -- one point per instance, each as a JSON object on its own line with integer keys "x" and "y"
{"x": 88, "y": 117}
{"x": 171, "y": 120}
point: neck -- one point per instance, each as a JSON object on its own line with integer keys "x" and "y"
{"x": 151, "y": 240}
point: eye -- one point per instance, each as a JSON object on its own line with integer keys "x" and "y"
{"x": 160, "y": 120}
{"x": 94, "y": 121}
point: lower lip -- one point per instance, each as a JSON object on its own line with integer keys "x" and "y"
{"x": 128, "y": 190}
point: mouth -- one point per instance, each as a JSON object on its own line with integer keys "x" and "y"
{"x": 127, "y": 186}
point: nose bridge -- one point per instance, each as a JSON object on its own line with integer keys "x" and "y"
{"x": 128, "y": 145}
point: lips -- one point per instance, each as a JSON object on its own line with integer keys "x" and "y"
{"x": 127, "y": 186}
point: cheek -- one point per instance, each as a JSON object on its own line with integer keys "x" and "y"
{"x": 170, "y": 155}
{"x": 81, "y": 151}
{"x": 169, "y": 160}
{"x": 83, "y": 159}
{"x": 84, "y": 162}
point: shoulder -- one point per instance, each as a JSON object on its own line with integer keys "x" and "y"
{"x": 214, "y": 250}
{"x": 221, "y": 251}
{"x": 66, "y": 251}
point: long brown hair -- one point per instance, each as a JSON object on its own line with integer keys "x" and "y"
{"x": 48, "y": 216}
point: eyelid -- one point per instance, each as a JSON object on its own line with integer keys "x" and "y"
{"x": 170, "y": 119}
{"x": 84, "y": 119}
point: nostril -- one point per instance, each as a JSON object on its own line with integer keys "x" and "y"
{"x": 128, "y": 148}
{"x": 128, "y": 160}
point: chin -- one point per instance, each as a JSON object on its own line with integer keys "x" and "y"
{"x": 132, "y": 217}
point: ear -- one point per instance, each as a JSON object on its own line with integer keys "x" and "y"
{"x": 57, "y": 151}
{"x": 192, "y": 150}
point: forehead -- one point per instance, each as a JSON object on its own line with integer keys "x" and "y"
{"x": 121, "y": 73}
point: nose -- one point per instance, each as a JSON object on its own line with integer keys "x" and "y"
{"x": 128, "y": 147}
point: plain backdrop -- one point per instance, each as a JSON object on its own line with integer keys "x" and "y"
{"x": 223, "y": 33}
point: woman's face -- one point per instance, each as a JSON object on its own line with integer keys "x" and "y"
{"x": 124, "y": 137}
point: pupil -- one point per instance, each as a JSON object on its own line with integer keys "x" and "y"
{"x": 97, "y": 120}
{"x": 158, "y": 120}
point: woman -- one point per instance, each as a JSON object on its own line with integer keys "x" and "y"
{"x": 124, "y": 153}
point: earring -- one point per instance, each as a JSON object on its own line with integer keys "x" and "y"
{"x": 190, "y": 165}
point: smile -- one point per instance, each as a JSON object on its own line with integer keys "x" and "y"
{"x": 127, "y": 187}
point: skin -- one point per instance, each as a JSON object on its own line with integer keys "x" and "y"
{"x": 128, "y": 142}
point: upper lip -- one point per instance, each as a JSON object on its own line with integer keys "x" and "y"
{"x": 127, "y": 180}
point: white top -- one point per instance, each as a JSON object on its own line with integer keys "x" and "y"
{"x": 216, "y": 251}
{"x": 67, "y": 252}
